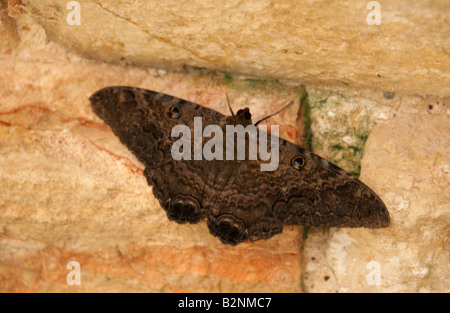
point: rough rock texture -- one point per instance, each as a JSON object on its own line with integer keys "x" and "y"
{"x": 69, "y": 191}
{"x": 312, "y": 42}
{"x": 8, "y": 30}
{"x": 412, "y": 175}
{"x": 406, "y": 160}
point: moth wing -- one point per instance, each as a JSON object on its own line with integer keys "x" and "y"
{"x": 143, "y": 120}
{"x": 320, "y": 193}
{"x": 304, "y": 190}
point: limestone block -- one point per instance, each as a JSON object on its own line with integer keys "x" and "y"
{"x": 406, "y": 161}
{"x": 70, "y": 191}
{"x": 312, "y": 42}
{"x": 8, "y": 31}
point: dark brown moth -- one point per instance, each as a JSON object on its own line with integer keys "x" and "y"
{"x": 239, "y": 201}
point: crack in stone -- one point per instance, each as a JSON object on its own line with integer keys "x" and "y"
{"x": 162, "y": 39}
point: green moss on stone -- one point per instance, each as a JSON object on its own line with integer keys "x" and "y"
{"x": 339, "y": 127}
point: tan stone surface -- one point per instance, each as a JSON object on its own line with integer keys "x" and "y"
{"x": 312, "y": 42}
{"x": 406, "y": 161}
{"x": 8, "y": 31}
{"x": 71, "y": 192}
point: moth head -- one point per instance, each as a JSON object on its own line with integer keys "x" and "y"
{"x": 244, "y": 114}
{"x": 242, "y": 117}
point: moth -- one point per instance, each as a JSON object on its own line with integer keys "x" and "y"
{"x": 239, "y": 201}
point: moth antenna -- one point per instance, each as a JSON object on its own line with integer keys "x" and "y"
{"x": 228, "y": 101}
{"x": 265, "y": 118}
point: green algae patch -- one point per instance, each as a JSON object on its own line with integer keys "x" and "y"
{"x": 339, "y": 127}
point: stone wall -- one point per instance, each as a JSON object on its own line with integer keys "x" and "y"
{"x": 378, "y": 106}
